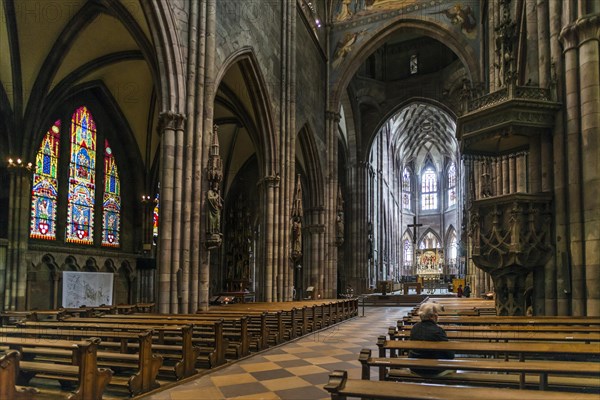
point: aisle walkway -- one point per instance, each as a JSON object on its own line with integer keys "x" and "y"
{"x": 296, "y": 370}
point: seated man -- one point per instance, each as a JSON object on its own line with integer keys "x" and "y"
{"x": 428, "y": 329}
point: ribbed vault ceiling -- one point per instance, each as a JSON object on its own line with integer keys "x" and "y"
{"x": 422, "y": 128}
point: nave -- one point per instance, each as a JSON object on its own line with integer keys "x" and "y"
{"x": 294, "y": 370}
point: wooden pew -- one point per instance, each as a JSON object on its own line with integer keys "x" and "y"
{"x": 341, "y": 387}
{"x": 209, "y": 342}
{"x": 271, "y": 323}
{"x": 9, "y": 369}
{"x": 179, "y": 359}
{"x": 91, "y": 379}
{"x": 235, "y": 329}
{"x": 510, "y": 328}
{"x": 522, "y": 350}
{"x": 485, "y": 320}
{"x": 542, "y": 370}
{"x": 130, "y": 351}
{"x": 505, "y": 336}
{"x": 10, "y": 318}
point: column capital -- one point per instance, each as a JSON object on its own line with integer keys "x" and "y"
{"x": 170, "y": 120}
{"x": 272, "y": 180}
{"x": 588, "y": 28}
{"x": 333, "y": 115}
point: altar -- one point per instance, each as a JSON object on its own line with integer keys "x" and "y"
{"x": 430, "y": 268}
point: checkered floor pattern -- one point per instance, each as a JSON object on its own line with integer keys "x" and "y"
{"x": 295, "y": 370}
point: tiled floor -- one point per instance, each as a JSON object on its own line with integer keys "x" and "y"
{"x": 295, "y": 370}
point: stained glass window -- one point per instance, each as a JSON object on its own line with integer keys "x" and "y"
{"x": 44, "y": 190}
{"x": 414, "y": 64}
{"x": 111, "y": 202}
{"x": 82, "y": 185}
{"x": 452, "y": 185}
{"x": 408, "y": 252}
{"x": 406, "y": 189}
{"x": 155, "y": 219}
{"x": 429, "y": 199}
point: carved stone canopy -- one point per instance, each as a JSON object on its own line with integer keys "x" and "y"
{"x": 511, "y": 232}
{"x": 506, "y": 119}
{"x": 511, "y": 235}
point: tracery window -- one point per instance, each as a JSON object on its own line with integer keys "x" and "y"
{"x": 429, "y": 241}
{"x": 406, "y": 189}
{"x": 111, "y": 204}
{"x": 408, "y": 252}
{"x": 82, "y": 184}
{"x": 44, "y": 190}
{"x": 452, "y": 185}
{"x": 155, "y": 215}
{"x": 429, "y": 195}
{"x": 80, "y": 202}
{"x": 414, "y": 64}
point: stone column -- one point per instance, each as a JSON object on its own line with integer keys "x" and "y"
{"x": 18, "y": 235}
{"x": 177, "y": 222}
{"x": 543, "y": 36}
{"x": 588, "y": 29}
{"x": 512, "y": 171}
{"x": 522, "y": 172}
{"x": 505, "y": 176}
{"x": 271, "y": 187}
{"x": 169, "y": 121}
{"x": 207, "y": 114}
{"x": 557, "y": 301}
{"x": 574, "y": 168}
{"x": 357, "y": 221}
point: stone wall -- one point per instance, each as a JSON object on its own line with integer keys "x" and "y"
{"x": 311, "y": 79}
{"x": 254, "y": 24}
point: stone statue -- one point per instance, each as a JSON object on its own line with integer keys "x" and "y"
{"x": 296, "y": 238}
{"x": 339, "y": 227}
{"x": 215, "y": 204}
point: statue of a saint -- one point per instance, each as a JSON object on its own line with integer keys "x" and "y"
{"x": 339, "y": 227}
{"x": 296, "y": 238}
{"x": 214, "y": 203}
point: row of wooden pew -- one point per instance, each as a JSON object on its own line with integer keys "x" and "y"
{"x": 496, "y": 358}
{"x": 128, "y": 354}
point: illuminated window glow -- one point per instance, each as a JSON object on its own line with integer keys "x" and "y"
{"x": 452, "y": 185}
{"x": 44, "y": 190}
{"x": 111, "y": 204}
{"x": 429, "y": 195}
{"x": 82, "y": 185}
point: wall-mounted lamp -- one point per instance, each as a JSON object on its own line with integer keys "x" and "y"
{"x": 19, "y": 165}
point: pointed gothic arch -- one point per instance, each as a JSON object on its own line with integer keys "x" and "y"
{"x": 261, "y": 126}
{"x": 456, "y": 43}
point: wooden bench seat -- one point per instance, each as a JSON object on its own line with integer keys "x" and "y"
{"x": 92, "y": 380}
{"x": 505, "y": 336}
{"x": 544, "y": 371}
{"x": 341, "y": 387}
{"x": 485, "y": 320}
{"x": 9, "y": 369}
{"x": 179, "y": 361}
{"x": 207, "y": 336}
{"x": 233, "y": 329}
{"x": 135, "y": 348}
{"x": 510, "y": 328}
{"x": 583, "y": 351}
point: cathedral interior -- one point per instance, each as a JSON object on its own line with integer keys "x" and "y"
{"x": 292, "y": 149}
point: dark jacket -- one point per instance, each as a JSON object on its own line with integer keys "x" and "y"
{"x": 430, "y": 331}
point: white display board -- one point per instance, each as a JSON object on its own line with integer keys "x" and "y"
{"x": 90, "y": 289}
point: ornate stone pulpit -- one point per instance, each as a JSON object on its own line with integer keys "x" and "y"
{"x": 511, "y": 236}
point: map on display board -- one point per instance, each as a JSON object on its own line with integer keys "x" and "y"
{"x": 90, "y": 289}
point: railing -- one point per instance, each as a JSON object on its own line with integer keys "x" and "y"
{"x": 501, "y": 95}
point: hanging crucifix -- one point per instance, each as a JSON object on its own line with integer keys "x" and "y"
{"x": 414, "y": 225}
